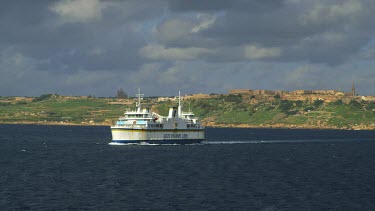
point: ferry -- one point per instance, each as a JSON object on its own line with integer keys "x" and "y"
{"x": 143, "y": 126}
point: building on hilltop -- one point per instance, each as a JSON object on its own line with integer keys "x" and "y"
{"x": 309, "y": 95}
{"x": 199, "y": 96}
{"x": 281, "y": 92}
{"x": 265, "y": 92}
{"x": 241, "y": 91}
{"x": 257, "y": 92}
{"x": 302, "y": 92}
{"x": 164, "y": 99}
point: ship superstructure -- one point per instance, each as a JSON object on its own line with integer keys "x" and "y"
{"x": 144, "y": 126}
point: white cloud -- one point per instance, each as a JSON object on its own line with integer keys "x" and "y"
{"x": 321, "y": 12}
{"x": 368, "y": 54}
{"x": 78, "y": 10}
{"x": 206, "y": 22}
{"x": 174, "y": 30}
{"x": 345, "y": 9}
{"x": 254, "y": 52}
{"x": 146, "y": 74}
{"x": 157, "y": 52}
{"x": 96, "y": 51}
{"x": 179, "y": 75}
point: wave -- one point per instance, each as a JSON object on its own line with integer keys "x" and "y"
{"x": 208, "y": 142}
{"x": 285, "y": 141}
{"x": 231, "y": 142}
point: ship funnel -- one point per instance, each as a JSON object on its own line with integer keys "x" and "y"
{"x": 173, "y": 112}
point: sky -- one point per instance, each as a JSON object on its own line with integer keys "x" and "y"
{"x": 94, "y": 47}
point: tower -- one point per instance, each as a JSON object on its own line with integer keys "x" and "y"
{"x": 353, "y": 89}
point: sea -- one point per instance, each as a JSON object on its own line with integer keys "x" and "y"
{"x": 74, "y": 168}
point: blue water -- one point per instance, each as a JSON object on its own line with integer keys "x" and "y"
{"x": 74, "y": 168}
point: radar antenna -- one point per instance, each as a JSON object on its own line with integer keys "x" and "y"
{"x": 140, "y": 97}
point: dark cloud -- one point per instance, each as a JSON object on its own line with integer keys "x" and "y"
{"x": 197, "y": 5}
{"x": 217, "y": 5}
{"x": 246, "y": 43}
{"x": 251, "y": 28}
{"x": 34, "y": 30}
{"x": 240, "y": 23}
{"x": 317, "y": 31}
{"x": 22, "y": 13}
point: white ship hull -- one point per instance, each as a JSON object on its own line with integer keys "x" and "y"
{"x": 144, "y": 126}
{"x": 122, "y": 135}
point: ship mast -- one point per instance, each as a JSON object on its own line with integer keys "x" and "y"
{"x": 179, "y": 103}
{"x": 139, "y": 95}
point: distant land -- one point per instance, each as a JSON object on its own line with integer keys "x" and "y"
{"x": 315, "y": 109}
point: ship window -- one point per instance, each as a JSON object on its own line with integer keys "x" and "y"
{"x": 192, "y": 125}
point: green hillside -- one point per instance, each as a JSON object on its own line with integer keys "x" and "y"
{"x": 221, "y": 111}
{"x": 57, "y": 109}
{"x": 235, "y": 110}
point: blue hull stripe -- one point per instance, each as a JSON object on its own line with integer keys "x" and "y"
{"x": 124, "y": 142}
{"x": 172, "y": 141}
{"x": 155, "y": 130}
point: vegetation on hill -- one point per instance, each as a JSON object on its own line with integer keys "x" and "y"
{"x": 223, "y": 110}
{"x": 57, "y": 109}
{"x": 236, "y": 110}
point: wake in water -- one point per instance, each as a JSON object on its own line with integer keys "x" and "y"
{"x": 249, "y": 142}
{"x": 232, "y": 142}
{"x": 148, "y": 144}
{"x": 285, "y": 141}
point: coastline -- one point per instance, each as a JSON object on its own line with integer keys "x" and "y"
{"x": 222, "y": 111}
{"x": 293, "y": 126}
{"x": 210, "y": 125}
{"x": 52, "y": 123}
